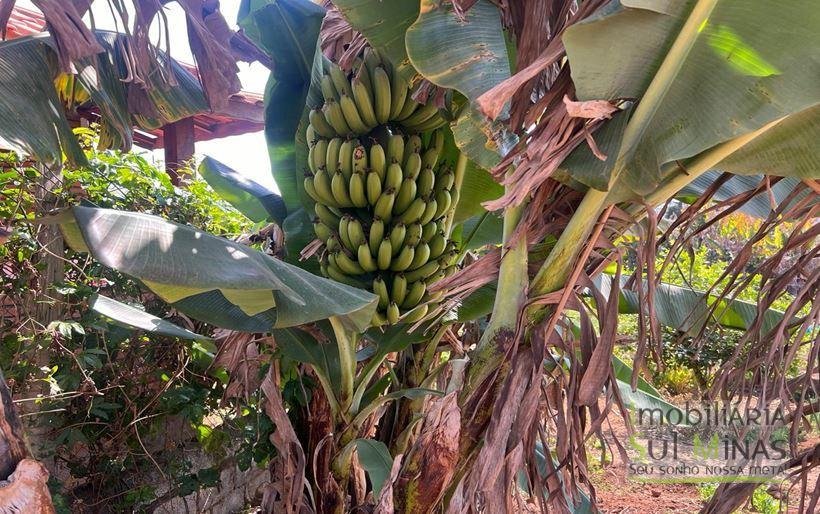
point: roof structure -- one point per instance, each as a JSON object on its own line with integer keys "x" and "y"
{"x": 243, "y": 114}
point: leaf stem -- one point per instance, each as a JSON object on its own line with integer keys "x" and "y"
{"x": 346, "y": 342}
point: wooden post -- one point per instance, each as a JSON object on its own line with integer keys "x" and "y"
{"x": 179, "y": 141}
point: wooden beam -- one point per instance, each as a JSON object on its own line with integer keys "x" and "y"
{"x": 179, "y": 141}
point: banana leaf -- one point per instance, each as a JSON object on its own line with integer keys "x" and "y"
{"x": 132, "y": 317}
{"x": 287, "y": 30}
{"x": 209, "y": 278}
{"x": 250, "y": 198}
{"x": 704, "y": 73}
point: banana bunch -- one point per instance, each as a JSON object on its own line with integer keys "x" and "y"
{"x": 381, "y": 213}
{"x": 373, "y": 96}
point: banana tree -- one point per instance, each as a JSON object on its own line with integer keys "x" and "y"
{"x": 555, "y": 130}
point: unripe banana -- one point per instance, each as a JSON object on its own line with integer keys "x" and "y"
{"x": 395, "y": 149}
{"x": 352, "y": 116}
{"x": 366, "y": 260}
{"x": 376, "y": 235}
{"x": 437, "y": 141}
{"x": 332, "y": 154}
{"x": 310, "y": 134}
{"x": 429, "y": 158}
{"x": 362, "y": 75}
{"x": 310, "y": 160}
{"x": 455, "y": 194}
{"x": 340, "y": 81}
{"x": 319, "y": 153}
{"x": 338, "y": 184}
{"x": 384, "y": 205}
{"x": 378, "y": 160}
{"x": 357, "y": 190}
{"x": 323, "y": 232}
{"x": 337, "y": 275}
{"x": 371, "y": 59}
{"x": 399, "y": 290}
{"x": 356, "y": 233}
{"x": 421, "y": 255}
{"x": 333, "y": 244}
{"x": 397, "y": 237}
{"x": 412, "y": 165}
{"x": 393, "y": 313}
{"x": 414, "y": 212}
{"x": 364, "y": 102}
{"x": 426, "y": 181}
{"x": 415, "y": 314}
{"x": 429, "y": 230}
{"x": 412, "y": 145}
{"x": 437, "y": 245}
{"x": 413, "y": 236}
{"x": 445, "y": 180}
{"x": 344, "y": 235}
{"x": 434, "y": 122}
{"x": 374, "y": 187}
{"x": 333, "y": 114}
{"x": 325, "y": 215}
{"x": 393, "y": 177}
{"x": 443, "y": 200}
{"x": 432, "y": 279}
{"x": 450, "y": 270}
{"x": 415, "y": 292}
{"x": 421, "y": 115}
{"x": 405, "y": 196}
{"x": 328, "y": 89}
{"x": 309, "y": 189}
{"x": 378, "y": 319}
{"x": 348, "y": 265}
{"x": 321, "y": 183}
{"x": 429, "y": 211}
{"x": 381, "y": 94}
{"x": 359, "y": 159}
{"x": 320, "y": 124}
{"x": 385, "y": 255}
{"x": 422, "y": 272}
{"x": 398, "y": 93}
{"x": 403, "y": 260}
{"x": 346, "y": 157}
{"x": 380, "y": 289}
{"x": 407, "y": 109}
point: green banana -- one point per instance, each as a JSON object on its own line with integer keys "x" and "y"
{"x": 403, "y": 260}
{"x": 395, "y": 149}
{"x": 371, "y": 59}
{"x": 393, "y": 177}
{"x": 407, "y": 109}
{"x": 414, "y": 212}
{"x": 405, "y": 196}
{"x": 333, "y": 244}
{"x": 333, "y": 112}
{"x": 348, "y": 265}
{"x": 437, "y": 245}
{"x": 337, "y": 275}
{"x": 378, "y": 160}
{"x": 443, "y": 201}
{"x": 422, "y": 114}
{"x": 319, "y": 153}
{"x": 344, "y": 235}
{"x": 397, "y": 237}
{"x": 362, "y": 75}
{"x": 413, "y": 236}
{"x": 384, "y": 205}
{"x": 422, "y": 272}
{"x": 355, "y": 233}
{"x": 429, "y": 211}
{"x": 450, "y": 270}
{"x": 428, "y": 231}
{"x": 328, "y": 89}
{"x": 381, "y": 94}
{"x": 374, "y": 188}
{"x": 346, "y": 157}
{"x": 352, "y": 116}
{"x": 322, "y": 231}
{"x": 445, "y": 181}
{"x": 325, "y": 215}
{"x": 437, "y": 141}
{"x": 376, "y": 235}
{"x": 393, "y": 313}
{"x": 432, "y": 123}
{"x": 421, "y": 255}
{"x": 385, "y": 255}
{"x": 432, "y": 279}
{"x": 378, "y": 319}
{"x": 332, "y": 154}
{"x": 398, "y": 93}
{"x": 415, "y": 292}
{"x": 366, "y": 260}
{"x": 415, "y": 314}
{"x": 338, "y": 185}
{"x": 310, "y": 134}
{"x": 399, "y": 290}
{"x": 364, "y": 102}
{"x": 429, "y": 158}
{"x": 320, "y": 125}
{"x": 321, "y": 183}
{"x": 412, "y": 145}
{"x": 412, "y": 166}
{"x": 310, "y": 160}
{"x": 380, "y": 289}
{"x": 340, "y": 81}
{"x": 359, "y": 159}
{"x": 357, "y": 190}
{"x": 309, "y": 189}
{"x": 426, "y": 180}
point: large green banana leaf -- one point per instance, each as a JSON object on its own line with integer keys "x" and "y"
{"x": 704, "y": 73}
{"x": 287, "y": 30}
{"x": 209, "y": 278}
{"x": 250, "y": 198}
{"x": 133, "y": 317}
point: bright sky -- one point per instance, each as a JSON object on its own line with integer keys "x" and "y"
{"x": 246, "y": 153}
